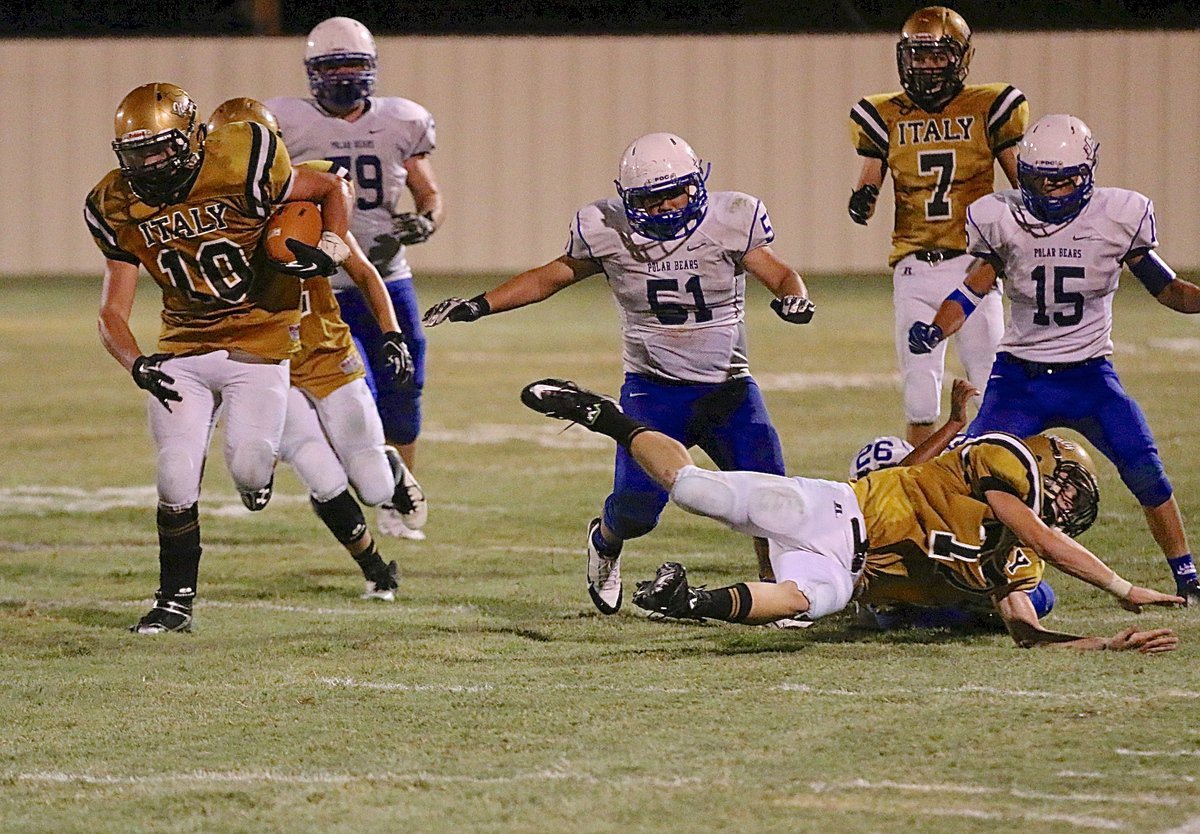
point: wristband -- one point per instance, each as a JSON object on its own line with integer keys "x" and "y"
{"x": 966, "y": 298}
{"x": 1118, "y": 587}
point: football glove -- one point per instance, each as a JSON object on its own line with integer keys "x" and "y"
{"x": 923, "y": 338}
{"x": 148, "y": 376}
{"x": 862, "y": 203}
{"x": 314, "y": 261}
{"x": 457, "y": 309}
{"x": 794, "y": 309}
{"x": 397, "y": 357}
{"x": 410, "y": 227}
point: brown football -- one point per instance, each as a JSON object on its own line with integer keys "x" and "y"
{"x": 298, "y": 220}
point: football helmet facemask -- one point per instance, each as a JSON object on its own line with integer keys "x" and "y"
{"x": 1058, "y": 150}
{"x": 933, "y": 55}
{"x": 880, "y": 453}
{"x": 159, "y": 141}
{"x": 1070, "y": 491}
{"x": 243, "y": 110}
{"x": 340, "y": 57}
{"x": 655, "y": 168}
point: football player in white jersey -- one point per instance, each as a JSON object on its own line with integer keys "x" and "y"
{"x": 1061, "y": 242}
{"x": 675, "y": 256}
{"x": 385, "y": 143}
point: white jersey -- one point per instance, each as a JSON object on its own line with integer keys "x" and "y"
{"x": 680, "y": 301}
{"x": 1061, "y": 278}
{"x": 373, "y": 148}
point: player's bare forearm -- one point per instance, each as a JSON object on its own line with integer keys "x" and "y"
{"x": 1021, "y": 620}
{"x": 116, "y": 305}
{"x": 370, "y": 283}
{"x": 333, "y": 194}
{"x": 1008, "y": 163}
{"x": 774, "y": 273}
{"x": 936, "y": 443}
{"x": 949, "y": 318}
{"x": 1181, "y": 296}
{"x": 422, "y": 184}
{"x": 539, "y": 283}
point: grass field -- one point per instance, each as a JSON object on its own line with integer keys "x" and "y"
{"x": 491, "y": 697}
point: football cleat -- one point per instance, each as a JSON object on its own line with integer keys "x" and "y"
{"x": 603, "y": 574}
{"x": 384, "y": 587}
{"x": 788, "y": 623}
{"x": 564, "y": 400}
{"x": 166, "y": 615}
{"x": 667, "y": 593}
{"x": 408, "y": 499}
{"x": 1190, "y": 591}
{"x": 258, "y": 499}
{"x": 391, "y": 523}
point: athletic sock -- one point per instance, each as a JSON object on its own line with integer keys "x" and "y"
{"x": 603, "y": 547}
{"x": 614, "y": 423}
{"x": 178, "y": 553}
{"x": 1184, "y": 570}
{"x": 731, "y": 604}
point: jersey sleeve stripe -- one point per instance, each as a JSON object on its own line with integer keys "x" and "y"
{"x": 99, "y": 226}
{"x": 1148, "y": 214}
{"x": 867, "y": 117}
{"x": 991, "y": 252}
{"x": 1003, "y": 107}
{"x": 258, "y": 177}
{"x": 1022, "y": 453}
{"x": 750, "y": 233}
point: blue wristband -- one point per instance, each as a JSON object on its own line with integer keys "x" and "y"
{"x": 960, "y": 298}
{"x": 1153, "y": 272}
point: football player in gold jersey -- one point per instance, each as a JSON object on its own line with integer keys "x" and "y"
{"x": 333, "y": 435}
{"x": 940, "y": 139}
{"x": 190, "y": 208}
{"x": 940, "y": 517}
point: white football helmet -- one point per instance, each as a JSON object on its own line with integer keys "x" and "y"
{"x": 1057, "y": 147}
{"x": 340, "y": 57}
{"x": 657, "y": 167}
{"x": 880, "y": 453}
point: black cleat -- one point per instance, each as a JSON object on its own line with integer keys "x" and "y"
{"x": 1190, "y": 591}
{"x": 384, "y": 585}
{"x": 166, "y": 615}
{"x": 668, "y": 593}
{"x": 564, "y": 400}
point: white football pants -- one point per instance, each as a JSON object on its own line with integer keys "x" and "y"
{"x": 918, "y": 290}
{"x": 807, "y": 522}
{"x": 253, "y": 399}
{"x": 338, "y": 440}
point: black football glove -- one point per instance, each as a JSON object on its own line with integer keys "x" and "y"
{"x": 397, "y": 358}
{"x": 314, "y": 261}
{"x": 457, "y": 309}
{"x": 148, "y": 376}
{"x": 923, "y": 338}
{"x": 410, "y": 227}
{"x": 794, "y": 309}
{"x": 862, "y": 203}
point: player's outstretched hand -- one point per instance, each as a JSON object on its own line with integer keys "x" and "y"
{"x": 149, "y": 376}
{"x": 456, "y": 309}
{"x": 397, "y": 358}
{"x": 960, "y": 394}
{"x": 794, "y": 309}
{"x": 1147, "y": 642}
{"x": 1139, "y": 596}
{"x": 410, "y": 227}
{"x": 923, "y": 338}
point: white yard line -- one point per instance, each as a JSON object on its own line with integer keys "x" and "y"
{"x": 986, "y": 790}
{"x": 1191, "y": 826}
{"x": 1166, "y": 754}
{"x": 367, "y": 607}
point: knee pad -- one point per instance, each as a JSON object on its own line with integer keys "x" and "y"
{"x": 178, "y": 479}
{"x": 775, "y": 507}
{"x": 372, "y": 475}
{"x": 1147, "y": 480}
{"x": 922, "y": 396}
{"x": 704, "y": 492}
{"x": 827, "y": 585}
{"x": 251, "y": 465}
{"x": 319, "y": 469}
{"x": 1043, "y": 598}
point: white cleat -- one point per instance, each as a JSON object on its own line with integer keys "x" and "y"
{"x": 603, "y": 575}
{"x": 384, "y": 589}
{"x": 391, "y": 523}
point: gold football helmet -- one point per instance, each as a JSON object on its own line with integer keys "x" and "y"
{"x": 243, "y": 110}
{"x": 932, "y": 55}
{"x": 159, "y": 141}
{"x": 1070, "y": 491}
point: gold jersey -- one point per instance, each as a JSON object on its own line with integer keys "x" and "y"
{"x": 218, "y": 291}
{"x": 932, "y": 537}
{"x": 940, "y": 162}
{"x": 328, "y": 358}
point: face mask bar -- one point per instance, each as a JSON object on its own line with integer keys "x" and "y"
{"x": 931, "y": 72}
{"x": 156, "y": 166}
{"x": 341, "y": 81}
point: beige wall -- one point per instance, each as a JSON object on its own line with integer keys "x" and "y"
{"x": 530, "y": 128}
